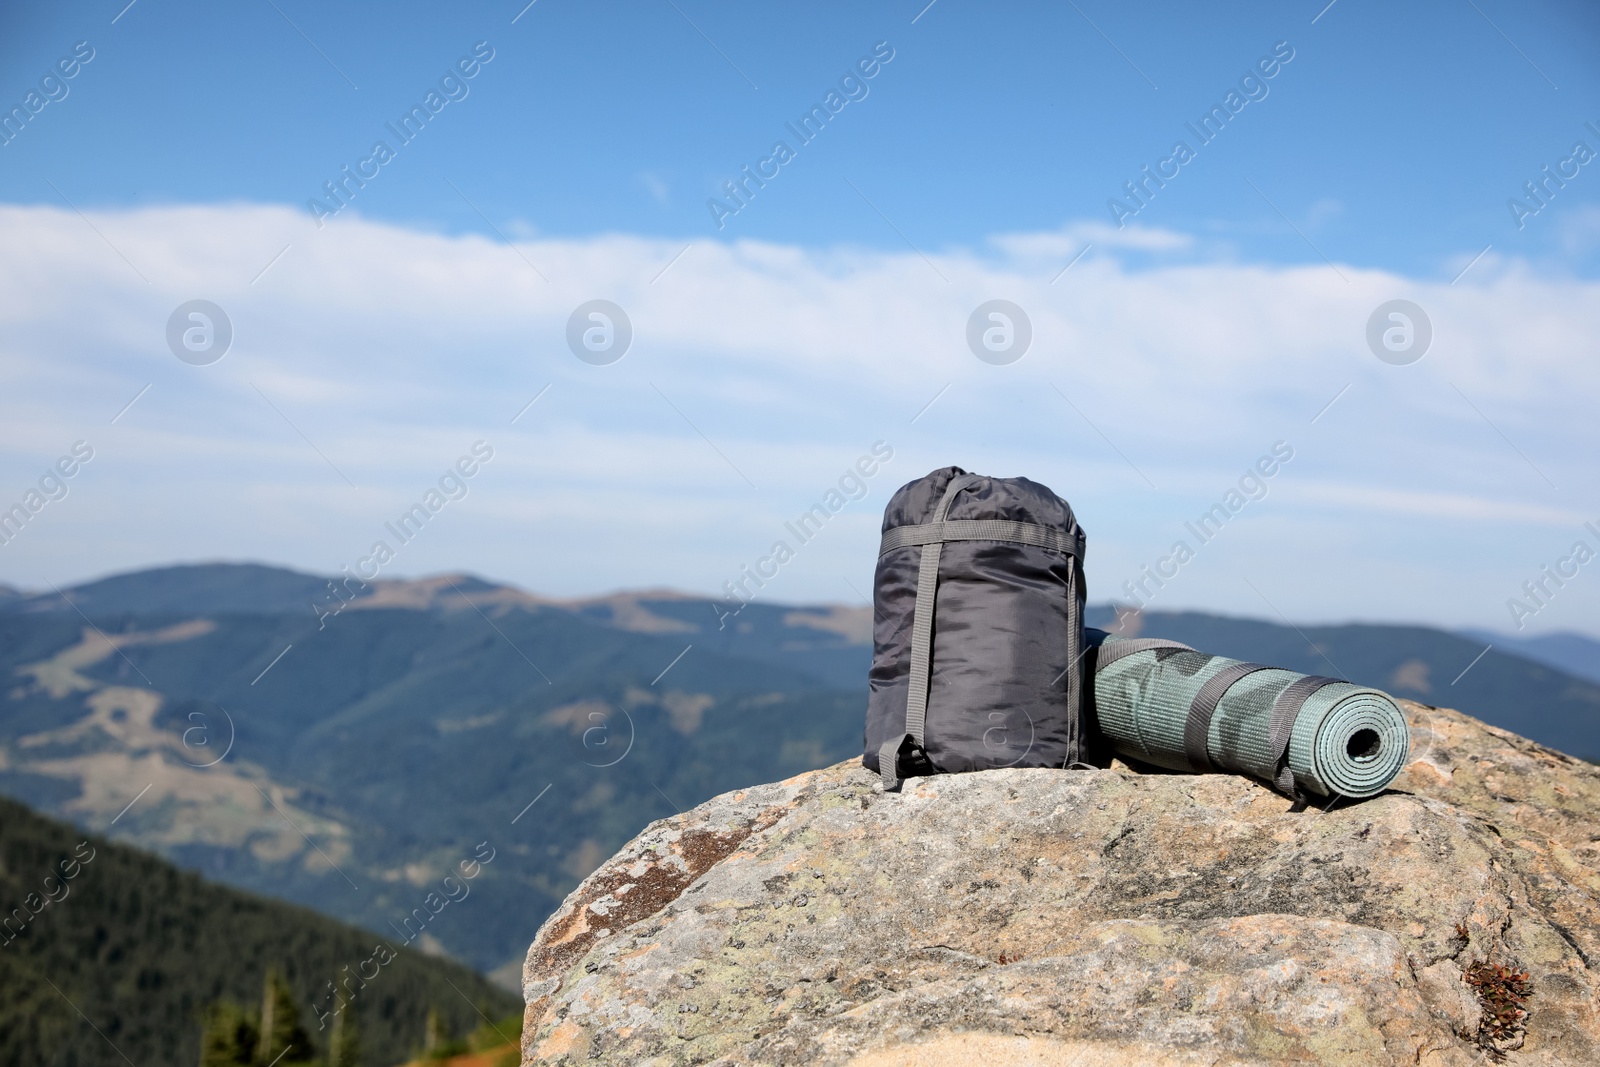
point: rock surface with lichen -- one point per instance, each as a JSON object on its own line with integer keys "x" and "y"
{"x": 1104, "y": 917}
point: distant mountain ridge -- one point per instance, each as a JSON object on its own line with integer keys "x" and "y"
{"x": 1577, "y": 654}
{"x": 201, "y": 587}
{"x": 261, "y": 588}
{"x": 374, "y": 746}
{"x": 253, "y": 588}
{"x": 368, "y": 744}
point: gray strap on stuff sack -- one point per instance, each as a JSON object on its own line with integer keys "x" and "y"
{"x": 1284, "y": 712}
{"x": 1027, "y": 533}
{"x": 1197, "y": 727}
{"x": 921, "y": 644}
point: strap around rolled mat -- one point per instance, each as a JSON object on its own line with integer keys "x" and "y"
{"x": 1197, "y": 727}
{"x": 1284, "y": 711}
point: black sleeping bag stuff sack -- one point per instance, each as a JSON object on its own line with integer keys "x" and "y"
{"x": 978, "y": 629}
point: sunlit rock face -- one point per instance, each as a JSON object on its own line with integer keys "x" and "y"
{"x": 1102, "y": 917}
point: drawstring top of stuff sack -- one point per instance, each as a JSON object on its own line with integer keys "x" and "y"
{"x": 978, "y": 629}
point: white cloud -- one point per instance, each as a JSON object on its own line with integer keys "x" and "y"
{"x": 392, "y": 350}
{"x": 1415, "y": 502}
{"x": 1067, "y": 242}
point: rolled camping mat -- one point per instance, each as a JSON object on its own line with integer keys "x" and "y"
{"x": 1334, "y": 739}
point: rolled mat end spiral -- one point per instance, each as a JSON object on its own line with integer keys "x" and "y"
{"x": 1351, "y": 742}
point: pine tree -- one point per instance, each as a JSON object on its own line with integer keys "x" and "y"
{"x": 344, "y": 1045}
{"x": 281, "y": 1036}
{"x": 436, "y": 1034}
{"x": 228, "y": 1037}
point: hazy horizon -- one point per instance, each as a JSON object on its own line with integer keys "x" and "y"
{"x": 667, "y": 590}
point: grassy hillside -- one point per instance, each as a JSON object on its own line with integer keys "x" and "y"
{"x": 109, "y": 955}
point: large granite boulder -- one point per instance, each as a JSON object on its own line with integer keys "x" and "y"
{"x": 1101, "y": 917}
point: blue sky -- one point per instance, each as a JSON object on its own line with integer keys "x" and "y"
{"x": 827, "y": 313}
{"x": 1392, "y": 139}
